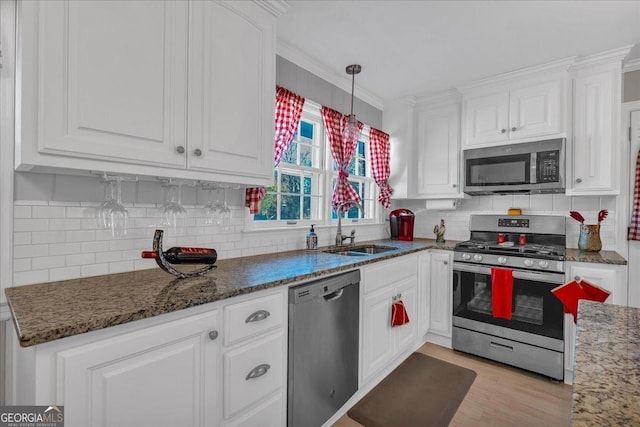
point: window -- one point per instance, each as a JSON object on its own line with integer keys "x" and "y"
{"x": 303, "y": 181}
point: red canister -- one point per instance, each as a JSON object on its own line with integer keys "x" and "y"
{"x": 522, "y": 240}
{"x": 500, "y": 238}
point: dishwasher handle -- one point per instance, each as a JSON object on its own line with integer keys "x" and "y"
{"x": 333, "y": 295}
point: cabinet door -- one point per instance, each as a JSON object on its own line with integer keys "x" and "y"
{"x": 132, "y": 379}
{"x": 607, "y": 278}
{"x": 440, "y": 294}
{"x": 487, "y": 119}
{"x": 104, "y": 80}
{"x": 594, "y": 143}
{"x": 437, "y": 152}
{"x": 377, "y": 338}
{"x": 535, "y": 110}
{"x": 405, "y": 335}
{"x": 231, "y": 88}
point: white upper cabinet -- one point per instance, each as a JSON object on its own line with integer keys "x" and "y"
{"x": 593, "y": 163}
{"x": 103, "y": 80}
{"x": 524, "y": 111}
{"x": 160, "y": 88}
{"x": 438, "y": 152}
{"x": 231, "y": 88}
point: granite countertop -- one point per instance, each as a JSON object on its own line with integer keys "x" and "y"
{"x": 49, "y": 311}
{"x": 606, "y": 385}
{"x": 602, "y": 257}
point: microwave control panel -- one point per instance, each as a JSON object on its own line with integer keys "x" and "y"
{"x": 513, "y": 222}
{"x": 548, "y": 169}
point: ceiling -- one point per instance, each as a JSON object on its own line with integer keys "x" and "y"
{"x": 416, "y": 48}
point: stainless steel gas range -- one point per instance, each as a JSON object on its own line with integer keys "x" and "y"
{"x": 503, "y": 308}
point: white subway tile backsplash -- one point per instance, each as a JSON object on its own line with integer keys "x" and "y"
{"x": 81, "y": 259}
{"x": 41, "y": 263}
{"x": 120, "y": 267}
{"x": 22, "y": 238}
{"x": 65, "y": 224}
{"x": 65, "y": 248}
{"x": 97, "y": 246}
{"x": 81, "y": 236}
{"x": 22, "y": 264}
{"x": 64, "y": 273}
{"x": 114, "y": 256}
{"x": 20, "y": 224}
{"x": 94, "y": 270}
{"x": 120, "y": 245}
{"x": 30, "y": 277}
{"x": 48, "y": 212}
{"x": 38, "y": 237}
{"x": 21, "y": 212}
{"x": 30, "y": 251}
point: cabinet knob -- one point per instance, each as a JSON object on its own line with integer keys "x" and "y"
{"x": 258, "y": 371}
{"x": 513, "y": 129}
{"x": 197, "y": 152}
{"x": 578, "y": 180}
{"x": 503, "y": 130}
{"x": 576, "y": 278}
{"x": 445, "y": 262}
{"x": 213, "y": 335}
{"x": 180, "y": 149}
{"x": 453, "y": 185}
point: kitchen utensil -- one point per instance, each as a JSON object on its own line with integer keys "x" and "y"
{"x": 577, "y": 216}
{"x": 602, "y": 215}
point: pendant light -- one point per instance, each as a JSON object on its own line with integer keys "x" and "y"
{"x": 351, "y": 132}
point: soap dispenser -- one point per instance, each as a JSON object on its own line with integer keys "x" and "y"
{"x": 312, "y": 239}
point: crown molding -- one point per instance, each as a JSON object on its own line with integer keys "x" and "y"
{"x": 631, "y": 65}
{"x": 275, "y": 7}
{"x": 450, "y": 96}
{"x": 609, "y": 56}
{"x": 557, "y": 65}
{"x": 301, "y": 59}
{"x": 407, "y": 101}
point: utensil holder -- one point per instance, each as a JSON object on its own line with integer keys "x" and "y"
{"x": 589, "y": 239}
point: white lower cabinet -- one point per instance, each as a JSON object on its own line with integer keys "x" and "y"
{"x": 381, "y": 283}
{"x": 171, "y": 370}
{"x": 135, "y": 378}
{"x": 609, "y": 277}
{"x": 440, "y": 293}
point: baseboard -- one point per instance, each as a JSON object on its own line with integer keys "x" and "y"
{"x": 439, "y": 339}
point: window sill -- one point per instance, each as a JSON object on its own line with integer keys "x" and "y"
{"x": 306, "y": 227}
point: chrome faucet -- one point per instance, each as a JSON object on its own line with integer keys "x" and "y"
{"x": 339, "y": 237}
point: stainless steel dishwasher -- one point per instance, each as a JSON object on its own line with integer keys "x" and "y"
{"x": 323, "y": 348}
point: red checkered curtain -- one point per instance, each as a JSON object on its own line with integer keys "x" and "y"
{"x": 380, "y": 157}
{"x": 634, "y": 228}
{"x": 288, "y": 113}
{"x": 342, "y": 151}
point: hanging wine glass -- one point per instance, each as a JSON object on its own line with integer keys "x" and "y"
{"x": 118, "y": 214}
{"x": 225, "y": 212}
{"x": 211, "y": 211}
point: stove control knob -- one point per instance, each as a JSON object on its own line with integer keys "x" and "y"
{"x": 477, "y": 257}
{"x": 543, "y": 264}
{"x": 528, "y": 262}
{"x": 502, "y": 260}
{"x": 466, "y": 257}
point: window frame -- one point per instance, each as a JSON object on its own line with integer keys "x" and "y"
{"x": 327, "y": 174}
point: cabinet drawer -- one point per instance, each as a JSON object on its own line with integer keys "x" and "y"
{"x": 252, "y": 372}
{"x": 392, "y": 271}
{"x": 252, "y": 317}
{"x": 267, "y": 414}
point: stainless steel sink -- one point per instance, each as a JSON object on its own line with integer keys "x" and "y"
{"x": 360, "y": 250}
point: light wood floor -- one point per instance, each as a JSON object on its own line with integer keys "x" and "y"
{"x": 501, "y": 395}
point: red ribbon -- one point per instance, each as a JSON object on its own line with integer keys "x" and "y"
{"x": 343, "y": 174}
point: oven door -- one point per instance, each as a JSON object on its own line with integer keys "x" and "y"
{"x": 535, "y": 310}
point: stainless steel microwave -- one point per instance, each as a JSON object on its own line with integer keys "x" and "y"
{"x": 526, "y": 168}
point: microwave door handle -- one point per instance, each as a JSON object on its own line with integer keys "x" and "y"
{"x": 534, "y": 168}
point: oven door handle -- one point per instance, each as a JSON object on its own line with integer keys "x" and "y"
{"x": 517, "y": 274}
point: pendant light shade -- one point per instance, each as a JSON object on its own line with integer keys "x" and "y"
{"x": 351, "y": 132}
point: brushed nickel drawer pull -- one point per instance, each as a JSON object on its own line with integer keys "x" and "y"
{"x": 257, "y": 316}
{"x": 258, "y": 371}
